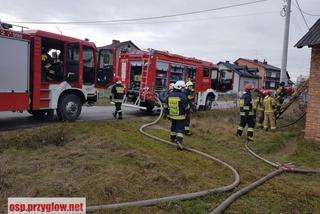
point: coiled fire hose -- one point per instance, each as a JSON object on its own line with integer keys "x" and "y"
{"x": 180, "y": 197}
{"x": 281, "y": 168}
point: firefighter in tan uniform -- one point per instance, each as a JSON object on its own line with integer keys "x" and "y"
{"x": 258, "y": 105}
{"x": 270, "y": 106}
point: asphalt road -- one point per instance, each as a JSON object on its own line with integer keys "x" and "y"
{"x": 12, "y": 121}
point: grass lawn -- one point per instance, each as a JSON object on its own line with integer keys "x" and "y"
{"x": 109, "y": 162}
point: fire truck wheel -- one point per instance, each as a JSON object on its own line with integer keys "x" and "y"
{"x": 69, "y": 107}
{"x": 209, "y": 102}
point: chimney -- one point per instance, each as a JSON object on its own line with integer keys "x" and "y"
{"x": 255, "y": 60}
{"x": 228, "y": 62}
{"x": 265, "y": 62}
{"x": 114, "y": 41}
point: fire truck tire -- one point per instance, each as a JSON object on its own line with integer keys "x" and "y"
{"x": 69, "y": 107}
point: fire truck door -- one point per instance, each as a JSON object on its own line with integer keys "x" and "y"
{"x": 206, "y": 80}
{"x": 105, "y": 69}
{"x": 73, "y": 62}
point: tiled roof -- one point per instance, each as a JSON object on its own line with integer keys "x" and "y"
{"x": 118, "y": 44}
{"x": 312, "y": 37}
{"x": 242, "y": 70}
{"x": 259, "y": 63}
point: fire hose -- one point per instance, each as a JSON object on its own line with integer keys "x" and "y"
{"x": 180, "y": 197}
{"x": 281, "y": 168}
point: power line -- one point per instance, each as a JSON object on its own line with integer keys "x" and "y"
{"x": 193, "y": 20}
{"x": 304, "y": 18}
{"x": 141, "y": 19}
{"x": 307, "y": 13}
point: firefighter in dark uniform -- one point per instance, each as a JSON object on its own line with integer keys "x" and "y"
{"x": 118, "y": 94}
{"x": 190, "y": 97}
{"x": 176, "y": 107}
{"x": 47, "y": 66}
{"x": 246, "y": 113}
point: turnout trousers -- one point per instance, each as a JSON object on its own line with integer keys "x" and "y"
{"x": 246, "y": 120}
{"x": 177, "y": 130}
{"x": 260, "y": 118}
{"x": 269, "y": 121}
{"x": 187, "y": 123}
{"x": 118, "y": 109}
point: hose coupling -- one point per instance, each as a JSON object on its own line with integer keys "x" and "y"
{"x": 286, "y": 168}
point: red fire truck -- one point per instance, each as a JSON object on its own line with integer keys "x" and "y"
{"x": 41, "y": 72}
{"x": 147, "y": 74}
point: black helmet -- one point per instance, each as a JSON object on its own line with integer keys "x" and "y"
{"x": 282, "y": 84}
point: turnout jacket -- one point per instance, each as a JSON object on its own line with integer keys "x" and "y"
{"x": 177, "y": 105}
{"x": 246, "y": 107}
{"x": 190, "y": 97}
{"x": 118, "y": 93}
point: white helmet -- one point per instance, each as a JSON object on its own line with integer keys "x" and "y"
{"x": 179, "y": 85}
{"x": 189, "y": 83}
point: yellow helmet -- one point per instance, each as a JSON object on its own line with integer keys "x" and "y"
{"x": 189, "y": 83}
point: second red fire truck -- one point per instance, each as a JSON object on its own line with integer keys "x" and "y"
{"x": 147, "y": 74}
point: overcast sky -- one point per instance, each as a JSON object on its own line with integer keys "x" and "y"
{"x": 251, "y": 31}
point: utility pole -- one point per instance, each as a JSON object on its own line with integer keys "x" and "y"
{"x": 287, "y": 10}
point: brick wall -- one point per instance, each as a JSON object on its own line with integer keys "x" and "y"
{"x": 312, "y": 130}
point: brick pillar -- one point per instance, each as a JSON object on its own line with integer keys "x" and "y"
{"x": 312, "y": 130}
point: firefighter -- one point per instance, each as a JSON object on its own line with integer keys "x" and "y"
{"x": 46, "y": 65}
{"x": 118, "y": 94}
{"x": 190, "y": 96}
{"x": 171, "y": 86}
{"x": 170, "y": 90}
{"x": 246, "y": 113}
{"x": 258, "y": 105}
{"x": 280, "y": 94}
{"x": 269, "y": 111}
{"x": 176, "y": 107}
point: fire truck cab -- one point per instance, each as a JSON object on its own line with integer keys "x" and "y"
{"x": 147, "y": 74}
{"x": 41, "y": 72}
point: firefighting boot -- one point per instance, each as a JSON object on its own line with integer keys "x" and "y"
{"x": 239, "y": 132}
{"x": 120, "y": 116}
{"x": 114, "y": 114}
{"x": 173, "y": 138}
{"x": 250, "y": 136}
{"x": 187, "y": 132}
{"x": 179, "y": 144}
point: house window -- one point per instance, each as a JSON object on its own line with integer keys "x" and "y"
{"x": 272, "y": 84}
{"x": 273, "y": 74}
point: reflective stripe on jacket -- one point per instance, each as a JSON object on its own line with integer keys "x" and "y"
{"x": 246, "y": 107}
{"x": 118, "y": 93}
{"x": 258, "y": 103}
{"x": 269, "y": 104}
{"x": 177, "y": 104}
